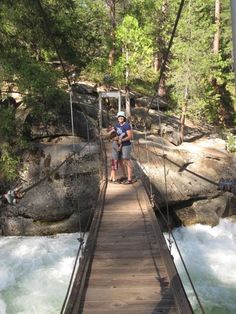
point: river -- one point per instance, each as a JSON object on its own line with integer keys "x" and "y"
{"x": 35, "y": 271}
{"x": 210, "y": 257}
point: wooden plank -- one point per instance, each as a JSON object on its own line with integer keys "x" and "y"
{"x": 126, "y": 243}
{"x": 130, "y": 294}
{"x": 128, "y": 229}
{"x": 124, "y": 230}
{"x": 148, "y": 262}
{"x": 123, "y": 272}
{"x": 104, "y": 268}
{"x": 122, "y": 307}
{"x": 128, "y": 212}
{"x": 117, "y": 220}
{"x": 125, "y": 215}
{"x": 128, "y": 246}
{"x": 127, "y": 233}
{"x": 125, "y": 254}
{"x": 128, "y": 280}
{"x": 115, "y": 238}
{"x": 128, "y": 222}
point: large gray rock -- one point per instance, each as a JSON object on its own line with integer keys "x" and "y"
{"x": 206, "y": 212}
{"x": 191, "y": 174}
{"x": 27, "y": 226}
{"x": 63, "y": 201}
{"x": 156, "y": 123}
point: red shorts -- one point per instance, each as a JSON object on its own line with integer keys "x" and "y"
{"x": 114, "y": 164}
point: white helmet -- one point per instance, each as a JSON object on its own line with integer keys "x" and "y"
{"x": 121, "y": 114}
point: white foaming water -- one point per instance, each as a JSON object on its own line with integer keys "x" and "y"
{"x": 210, "y": 257}
{"x": 35, "y": 272}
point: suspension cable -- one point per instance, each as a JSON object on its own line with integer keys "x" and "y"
{"x": 24, "y": 190}
{"x": 150, "y": 184}
{"x": 162, "y": 70}
{"x": 175, "y": 242}
{"x": 81, "y": 240}
{"x": 181, "y": 167}
{"x": 72, "y": 119}
{"x": 163, "y": 65}
{"x": 165, "y": 180}
{"x": 187, "y": 272}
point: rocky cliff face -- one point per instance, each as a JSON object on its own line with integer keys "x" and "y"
{"x": 62, "y": 202}
{"x": 191, "y": 171}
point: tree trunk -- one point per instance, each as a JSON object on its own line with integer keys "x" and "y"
{"x": 112, "y": 15}
{"x": 216, "y": 43}
{"x": 183, "y": 116}
{"x": 127, "y": 97}
{"x": 161, "y": 49}
{"x": 156, "y": 62}
{"x": 127, "y": 102}
{"x": 160, "y": 43}
{"x": 162, "y": 87}
{"x": 182, "y": 122}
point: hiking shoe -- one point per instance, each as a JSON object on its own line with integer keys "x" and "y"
{"x": 115, "y": 181}
{"x": 127, "y": 182}
{"x": 122, "y": 179}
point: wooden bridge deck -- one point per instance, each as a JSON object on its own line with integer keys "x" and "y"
{"x": 131, "y": 269}
{"x": 127, "y": 273}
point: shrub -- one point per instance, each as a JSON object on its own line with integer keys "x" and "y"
{"x": 231, "y": 143}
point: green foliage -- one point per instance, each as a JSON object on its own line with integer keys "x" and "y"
{"x": 231, "y": 143}
{"x": 7, "y": 124}
{"x": 195, "y": 68}
{"x": 136, "y": 49}
{"x": 97, "y": 70}
{"x": 9, "y": 162}
{"x": 12, "y": 141}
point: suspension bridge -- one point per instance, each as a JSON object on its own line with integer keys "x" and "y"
{"x": 126, "y": 266}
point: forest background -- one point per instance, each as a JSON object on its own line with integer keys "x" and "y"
{"x": 122, "y": 43}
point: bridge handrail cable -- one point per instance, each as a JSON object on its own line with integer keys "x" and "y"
{"x": 82, "y": 262}
{"x": 166, "y": 219}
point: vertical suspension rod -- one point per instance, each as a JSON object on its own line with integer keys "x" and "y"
{"x": 233, "y": 18}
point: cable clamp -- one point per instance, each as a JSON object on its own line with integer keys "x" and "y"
{"x": 152, "y": 200}
{"x": 170, "y": 244}
{"x": 81, "y": 241}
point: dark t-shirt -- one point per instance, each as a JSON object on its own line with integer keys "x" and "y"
{"x": 122, "y": 129}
